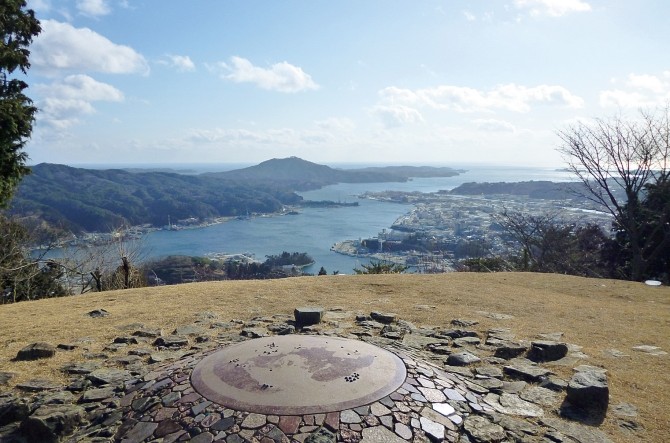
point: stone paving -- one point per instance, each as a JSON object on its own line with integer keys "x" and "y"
{"x": 460, "y": 387}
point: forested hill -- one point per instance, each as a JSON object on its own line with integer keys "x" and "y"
{"x": 298, "y": 174}
{"x": 99, "y": 200}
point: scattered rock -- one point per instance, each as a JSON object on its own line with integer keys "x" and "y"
{"x": 321, "y": 435}
{"x": 98, "y": 313}
{"x": 651, "y": 350}
{"x": 35, "y": 351}
{"x": 171, "y": 341}
{"x": 464, "y": 358}
{"x": 383, "y": 317}
{"x": 542, "y": 351}
{"x": 588, "y": 393}
{"x": 51, "y": 422}
{"x": 5, "y": 377}
{"x": 482, "y": 430}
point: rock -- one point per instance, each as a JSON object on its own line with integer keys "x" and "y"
{"x": 433, "y": 430}
{"x": 321, "y": 435}
{"x": 5, "y": 377}
{"x": 171, "y": 341}
{"x": 148, "y": 333}
{"x": 580, "y": 433}
{"x": 308, "y": 316}
{"x": 525, "y": 372}
{"x": 392, "y": 332}
{"x": 80, "y": 368}
{"x": 546, "y": 350}
{"x": 651, "y": 350}
{"x": 105, "y": 376}
{"x": 98, "y": 313}
{"x": 129, "y": 340}
{"x": 509, "y": 349}
{"x": 480, "y": 430}
{"x": 379, "y": 434}
{"x": 12, "y": 409}
{"x": 588, "y": 391}
{"x": 38, "y": 385}
{"x": 466, "y": 341}
{"x": 281, "y": 328}
{"x": 253, "y": 332}
{"x": 383, "y": 317}
{"x": 51, "y": 422}
{"x": 539, "y": 396}
{"x": 461, "y": 323}
{"x": 513, "y": 405}
{"x": 36, "y": 351}
{"x": 99, "y": 394}
{"x": 462, "y": 359}
{"x": 189, "y": 330}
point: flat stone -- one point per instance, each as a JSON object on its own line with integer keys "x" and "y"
{"x": 651, "y": 350}
{"x": 92, "y": 395}
{"x": 432, "y": 395}
{"x": 444, "y": 408}
{"x": 349, "y": 416}
{"x": 205, "y": 437}
{"x": 332, "y": 421}
{"x": 466, "y": 341}
{"x": 513, "y": 405}
{"x": 38, "y": 385}
{"x": 462, "y": 359}
{"x": 482, "y": 430}
{"x": 379, "y": 409}
{"x": 539, "y": 396}
{"x": 289, "y": 424}
{"x": 254, "y": 421}
{"x": 383, "y": 317}
{"x": 224, "y": 424}
{"x": 434, "y": 430}
{"x": 36, "y": 351}
{"x": 528, "y": 373}
{"x": 403, "y": 431}
{"x": 453, "y": 394}
{"x": 380, "y": 434}
{"x": 171, "y": 341}
{"x": 80, "y": 368}
{"x": 106, "y": 376}
{"x": 306, "y": 316}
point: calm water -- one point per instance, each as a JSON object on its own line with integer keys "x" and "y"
{"x": 315, "y": 230}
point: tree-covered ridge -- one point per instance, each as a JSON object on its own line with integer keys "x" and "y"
{"x": 97, "y": 200}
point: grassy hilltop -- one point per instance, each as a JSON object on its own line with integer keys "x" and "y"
{"x": 599, "y": 315}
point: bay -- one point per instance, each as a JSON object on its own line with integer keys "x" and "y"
{"x": 315, "y": 230}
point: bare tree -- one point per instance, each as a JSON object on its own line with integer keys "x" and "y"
{"x": 617, "y": 159}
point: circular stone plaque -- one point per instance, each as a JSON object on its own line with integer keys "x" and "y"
{"x": 298, "y": 374}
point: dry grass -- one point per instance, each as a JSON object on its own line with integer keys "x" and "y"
{"x": 596, "y": 314}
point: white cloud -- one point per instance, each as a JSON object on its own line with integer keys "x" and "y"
{"x": 553, "y": 8}
{"x": 61, "y": 46}
{"x": 640, "y": 90}
{"x": 469, "y": 16}
{"x": 397, "y": 115}
{"x": 282, "y": 77}
{"x": 493, "y": 125}
{"x": 338, "y": 124}
{"x": 511, "y": 97}
{"x": 182, "y": 63}
{"x": 63, "y": 102}
{"x": 93, "y": 8}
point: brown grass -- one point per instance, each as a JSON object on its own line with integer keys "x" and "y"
{"x": 596, "y": 314}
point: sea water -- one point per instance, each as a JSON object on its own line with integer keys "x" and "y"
{"x": 315, "y": 230}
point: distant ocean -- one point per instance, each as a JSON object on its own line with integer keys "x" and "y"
{"x": 315, "y": 230}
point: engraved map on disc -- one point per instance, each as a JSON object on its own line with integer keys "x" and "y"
{"x": 298, "y": 374}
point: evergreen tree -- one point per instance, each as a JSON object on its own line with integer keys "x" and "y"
{"x": 17, "y": 113}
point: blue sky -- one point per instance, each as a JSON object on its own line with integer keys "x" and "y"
{"x": 411, "y": 82}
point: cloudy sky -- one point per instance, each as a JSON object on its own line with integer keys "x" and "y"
{"x": 427, "y": 82}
